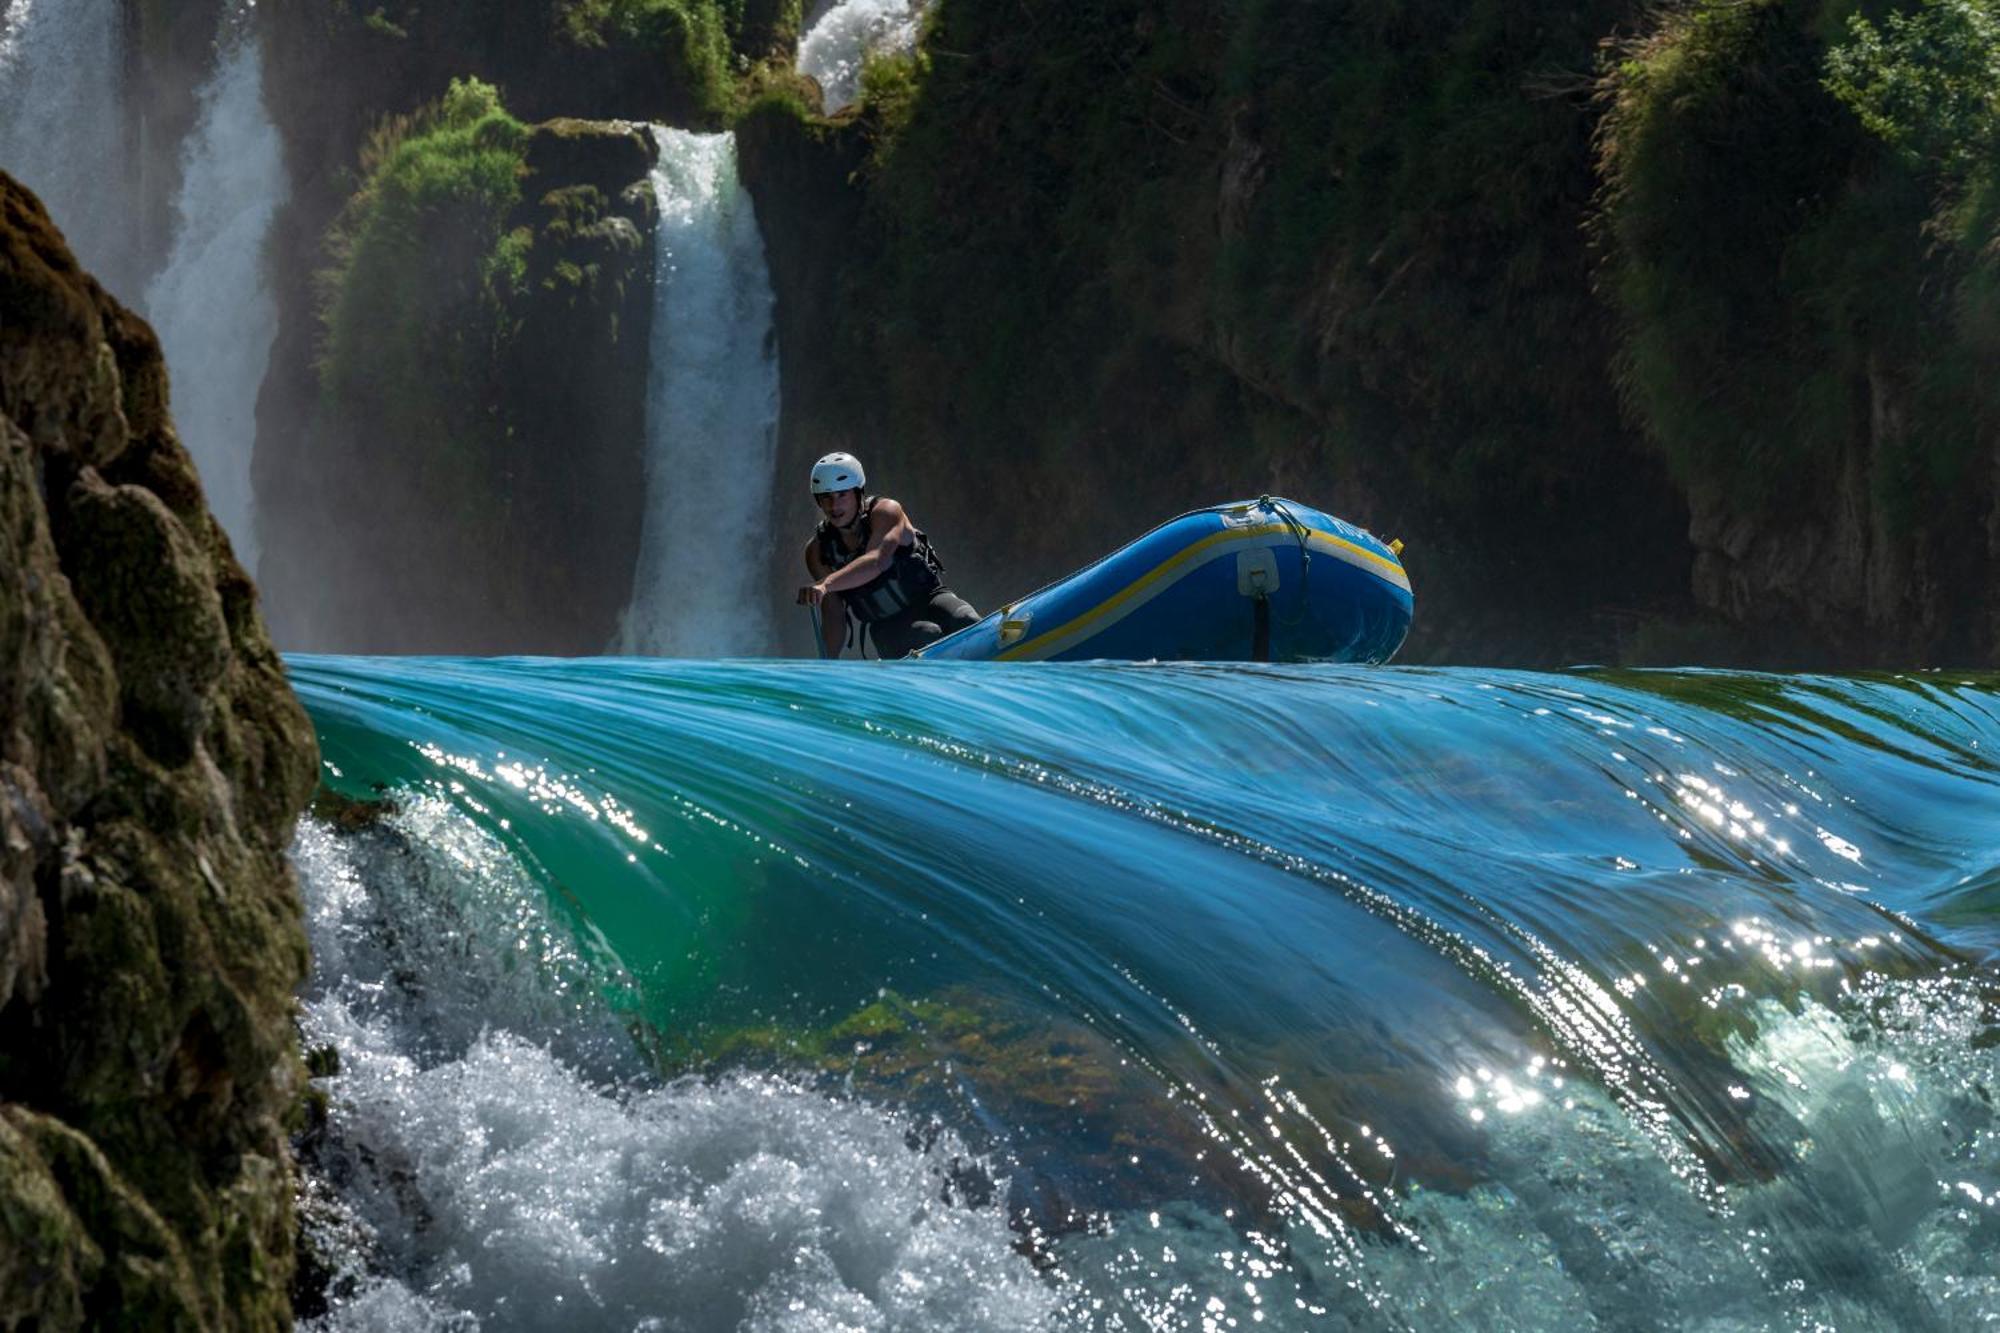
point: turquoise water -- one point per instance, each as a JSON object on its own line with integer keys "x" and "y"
{"x": 782, "y": 995}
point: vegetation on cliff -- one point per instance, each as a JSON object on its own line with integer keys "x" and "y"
{"x": 1624, "y": 316}
{"x": 479, "y": 402}
{"x": 1743, "y": 233}
{"x": 344, "y": 65}
{"x": 1924, "y": 83}
{"x": 534, "y": 414}
{"x": 1795, "y": 244}
{"x": 428, "y": 222}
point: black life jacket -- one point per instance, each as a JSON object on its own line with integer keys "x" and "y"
{"x": 912, "y": 576}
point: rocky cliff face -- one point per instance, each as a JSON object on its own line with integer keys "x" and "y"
{"x": 152, "y": 761}
{"x": 539, "y": 411}
{"x": 1615, "y": 313}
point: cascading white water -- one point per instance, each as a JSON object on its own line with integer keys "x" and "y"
{"x": 499, "y": 1155}
{"x": 711, "y": 415}
{"x": 843, "y": 36}
{"x": 214, "y": 312}
{"x": 61, "y": 131}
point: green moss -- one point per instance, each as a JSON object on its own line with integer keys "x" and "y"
{"x": 379, "y": 22}
{"x": 885, "y": 1031}
{"x": 775, "y": 88}
{"x": 415, "y": 302}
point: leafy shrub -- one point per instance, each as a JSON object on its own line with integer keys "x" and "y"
{"x": 1927, "y": 81}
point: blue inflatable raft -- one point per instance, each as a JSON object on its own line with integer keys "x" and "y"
{"x": 1259, "y": 580}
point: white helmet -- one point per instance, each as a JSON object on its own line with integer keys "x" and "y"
{"x": 838, "y": 472}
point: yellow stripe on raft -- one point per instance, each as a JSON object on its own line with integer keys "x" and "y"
{"x": 1334, "y": 544}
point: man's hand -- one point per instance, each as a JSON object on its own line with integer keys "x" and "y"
{"x": 812, "y": 594}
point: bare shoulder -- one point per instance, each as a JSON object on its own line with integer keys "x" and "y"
{"x": 891, "y": 523}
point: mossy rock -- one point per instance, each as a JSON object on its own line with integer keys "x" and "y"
{"x": 1091, "y": 1131}
{"x": 348, "y": 814}
{"x": 154, "y": 761}
{"x": 605, "y": 154}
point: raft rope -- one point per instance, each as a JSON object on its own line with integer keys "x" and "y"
{"x": 1302, "y": 535}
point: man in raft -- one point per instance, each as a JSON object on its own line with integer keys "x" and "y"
{"x": 868, "y": 561}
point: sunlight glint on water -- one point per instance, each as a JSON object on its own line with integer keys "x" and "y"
{"x": 1300, "y": 997}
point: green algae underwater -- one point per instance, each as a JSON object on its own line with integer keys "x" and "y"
{"x": 777, "y": 995}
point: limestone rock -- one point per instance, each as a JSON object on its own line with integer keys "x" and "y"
{"x": 607, "y": 154}
{"x": 152, "y": 762}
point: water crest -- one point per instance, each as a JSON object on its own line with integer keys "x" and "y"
{"x": 1311, "y": 997}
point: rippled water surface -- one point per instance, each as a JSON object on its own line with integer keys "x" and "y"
{"x": 812, "y": 996}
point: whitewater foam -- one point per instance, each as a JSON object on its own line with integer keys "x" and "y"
{"x": 838, "y": 43}
{"x": 480, "y": 1180}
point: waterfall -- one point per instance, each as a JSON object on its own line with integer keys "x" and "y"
{"x": 62, "y": 130}
{"x": 64, "y": 134}
{"x": 711, "y": 415}
{"x": 845, "y": 34}
{"x": 211, "y": 305}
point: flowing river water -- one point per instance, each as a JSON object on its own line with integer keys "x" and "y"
{"x": 778, "y": 995}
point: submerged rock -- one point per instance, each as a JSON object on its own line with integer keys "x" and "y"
{"x": 152, "y": 762}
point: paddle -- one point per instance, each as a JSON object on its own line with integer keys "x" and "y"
{"x": 819, "y": 631}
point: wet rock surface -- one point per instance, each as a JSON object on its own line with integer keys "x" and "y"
{"x": 152, "y": 762}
